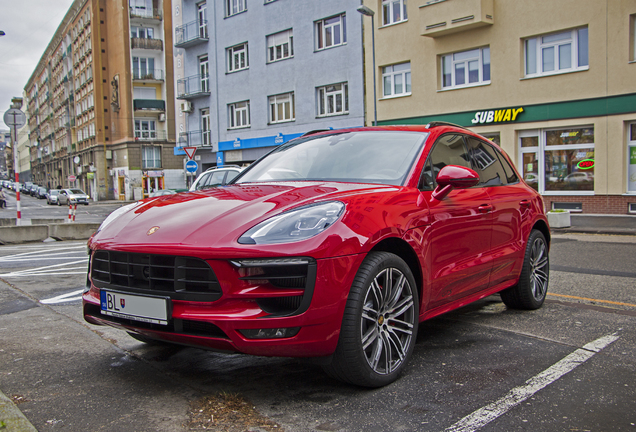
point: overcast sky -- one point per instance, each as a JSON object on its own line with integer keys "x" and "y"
{"x": 29, "y": 26}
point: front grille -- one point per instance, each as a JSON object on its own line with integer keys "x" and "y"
{"x": 180, "y": 278}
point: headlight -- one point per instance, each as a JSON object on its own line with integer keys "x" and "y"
{"x": 114, "y": 215}
{"x": 295, "y": 225}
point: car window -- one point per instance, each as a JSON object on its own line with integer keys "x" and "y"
{"x": 511, "y": 176}
{"x": 486, "y": 163}
{"x": 448, "y": 150}
{"x": 77, "y": 191}
{"x": 231, "y": 175}
{"x": 215, "y": 178}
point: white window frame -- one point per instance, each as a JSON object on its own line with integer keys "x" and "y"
{"x": 631, "y": 163}
{"x": 148, "y": 70}
{"x": 537, "y": 51}
{"x": 202, "y": 17}
{"x": 149, "y": 32}
{"x": 239, "y": 115}
{"x": 392, "y": 78}
{"x": 277, "y": 43}
{"x": 336, "y": 29}
{"x": 542, "y": 148}
{"x": 141, "y": 133}
{"x": 277, "y": 104}
{"x": 234, "y": 7}
{"x": 155, "y": 156}
{"x": 238, "y": 53}
{"x": 465, "y": 59}
{"x": 327, "y": 100}
{"x": 206, "y": 128}
{"x": 204, "y": 73}
{"x": 389, "y": 11}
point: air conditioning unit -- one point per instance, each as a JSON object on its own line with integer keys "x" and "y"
{"x": 186, "y": 107}
{"x": 162, "y": 117}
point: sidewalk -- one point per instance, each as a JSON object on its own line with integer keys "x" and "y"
{"x": 600, "y": 224}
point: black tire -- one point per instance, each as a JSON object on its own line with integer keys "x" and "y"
{"x": 530, "y": 291}
{"x": 373, "y": 320}
{"x": 59, "y": 203}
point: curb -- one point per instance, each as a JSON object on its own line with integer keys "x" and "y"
{"x": 12, "y": 418}
{"x": 603, "y": 231}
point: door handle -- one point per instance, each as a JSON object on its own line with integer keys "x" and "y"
{"x": 485, "y": 208}
{"x": 524, "y": 203}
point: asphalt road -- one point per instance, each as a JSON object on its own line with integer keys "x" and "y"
{"x": 570, "y": 366}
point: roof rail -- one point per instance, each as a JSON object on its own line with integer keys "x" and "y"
{"x": 315, "y": 131}
{"x": 443, "y": 123}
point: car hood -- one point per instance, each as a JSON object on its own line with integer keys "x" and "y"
{"x": 218, "y": 217}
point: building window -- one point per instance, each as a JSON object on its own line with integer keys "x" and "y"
{"x": 239, "y": 114}
{"x": 280, "y": 46}
{"x": 333, "y": 100}
{"x": 141, "y": 32}
{"x": 558, "y": 161}
{"x": 143, "y": 68}
{"x": 331, "y": 32}
{"x": 151, "y": 157}
{"x": 393, "y": 11}
{"x": 466, "y": 68}
{"x": 145, "y": 129}
{"x": 204, "y": 71}
{"x": 205, "y": 127}
{"x": 203, "y": 22}
{"x": 631, "y": 159}
{"x": 234, "y": 7}
{"x": 237, "y": 58}
{"x": 557, "y": 53}
{"x": 396, "y": 80}
{"x": 281, "y": 108}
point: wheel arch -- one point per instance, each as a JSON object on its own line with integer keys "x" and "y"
{"x": 542, "y": 226}
{"x": 402, "y": 249}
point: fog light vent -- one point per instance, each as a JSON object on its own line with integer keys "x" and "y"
{"x": 276, "y": 333}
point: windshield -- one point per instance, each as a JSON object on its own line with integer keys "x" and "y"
{"x": 76, "y": 191}
{"x": 383, "y": 157}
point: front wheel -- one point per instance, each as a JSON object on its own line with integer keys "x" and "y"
{"x": 530, "y": 291}
{"x": 379, "y": 327}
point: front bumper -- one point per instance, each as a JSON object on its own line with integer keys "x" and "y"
{"x": 251, "y": 300}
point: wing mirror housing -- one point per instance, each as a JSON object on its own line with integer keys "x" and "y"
{"x": 454, "y": 177}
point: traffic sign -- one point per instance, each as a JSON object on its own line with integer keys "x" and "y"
{"x": 14, "y": 118}
{"x": 72, "y": 178}
{"x": 191, "y": 166}
{"x": 190, "y": 151}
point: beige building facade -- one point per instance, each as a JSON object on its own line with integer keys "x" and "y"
{"x": 554, "y": 82}
{"x": 101, "y": 102}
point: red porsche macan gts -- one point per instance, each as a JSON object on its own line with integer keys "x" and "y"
{"x": 334, "y": 245}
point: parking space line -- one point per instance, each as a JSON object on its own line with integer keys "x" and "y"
{"x": 50, "y": 270}
{"x": 593, "y": 300}
{"x": 490, "y": 412}
{"x": 68, "y": 297}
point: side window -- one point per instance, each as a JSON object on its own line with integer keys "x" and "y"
{"x": 511, "y": 176}
{"x": 230, "y": 176}
{"x": 203, "y": 180}
{"x": 448, "y": 150}
{"x": 486, "y": 163}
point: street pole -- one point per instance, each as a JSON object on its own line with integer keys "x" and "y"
{"x": 364, "y": 10}
{"x": 14, "y": 145}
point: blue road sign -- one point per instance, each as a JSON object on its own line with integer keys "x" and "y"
{"x": 192, "y": 166}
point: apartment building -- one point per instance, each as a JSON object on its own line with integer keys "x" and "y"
{"x": 260, "y": 72}
{"x": 551, "y": 81}
{"x": 100, "y": 102}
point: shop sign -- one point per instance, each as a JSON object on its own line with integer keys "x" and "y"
{"x": 237, "y": 143}
{"x": 279, "y": 139}
{"x": 90, "y": 175}
{"x": 585, "y": 164}
{"x": 154, "y": 174}
{"x": 496, "y": 116}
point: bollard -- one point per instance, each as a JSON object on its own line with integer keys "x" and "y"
{"x": 74, "y": 210}
{"x": 70, "y": 210}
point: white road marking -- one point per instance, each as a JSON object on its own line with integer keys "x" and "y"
{"x": 68, "y": 297}
{"x": 490, "y": 412}
{"x": 55, "y": 269}
{"x": 43, "y": 254}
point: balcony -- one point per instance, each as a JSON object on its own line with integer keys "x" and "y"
{"x": 148, "y": 75}
{"x": 150, "y": 135}
{"x": 146, "y": 14}
{"x": 196, "y": 139}
{"x": 149, "y": 105}
{"x": 145, "y": 43}
{"x": 193, "y": 87}
{"x": 440, "y": 17}
{"x": 190, "y": 34}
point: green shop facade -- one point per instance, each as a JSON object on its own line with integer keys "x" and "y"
{"x": 580, "y": 154}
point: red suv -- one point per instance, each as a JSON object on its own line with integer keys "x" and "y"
{"x": 334, "y": 245}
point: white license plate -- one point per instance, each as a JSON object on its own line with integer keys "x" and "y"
{"x": 139, "y": 308}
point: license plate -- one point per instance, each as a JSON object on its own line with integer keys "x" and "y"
{"x": 139, "y": 308}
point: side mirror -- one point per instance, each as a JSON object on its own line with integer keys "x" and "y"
{"x": 454, "y": 177}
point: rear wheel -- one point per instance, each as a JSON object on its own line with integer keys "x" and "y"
{"x": 379, "y": 327}
{"x": 530, "y": 291}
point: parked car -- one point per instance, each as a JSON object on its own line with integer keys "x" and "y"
{"x": 379, "y": 229}
{"x": 216, "y": 176}
{"x": 52, "y": 196}
{"x": 41, "y": 192}
{"x": 33, "y": 189}
{"x": 72, "y": 196}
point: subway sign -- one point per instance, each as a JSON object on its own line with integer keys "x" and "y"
{"x": 496, "y": 116}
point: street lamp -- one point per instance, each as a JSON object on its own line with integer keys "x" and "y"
{"x": 364, "y": 10}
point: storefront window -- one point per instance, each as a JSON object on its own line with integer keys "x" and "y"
{"x": 631, "y": 159}
{"x": 494, "y": 137}
{"x": 559, "y": 160}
